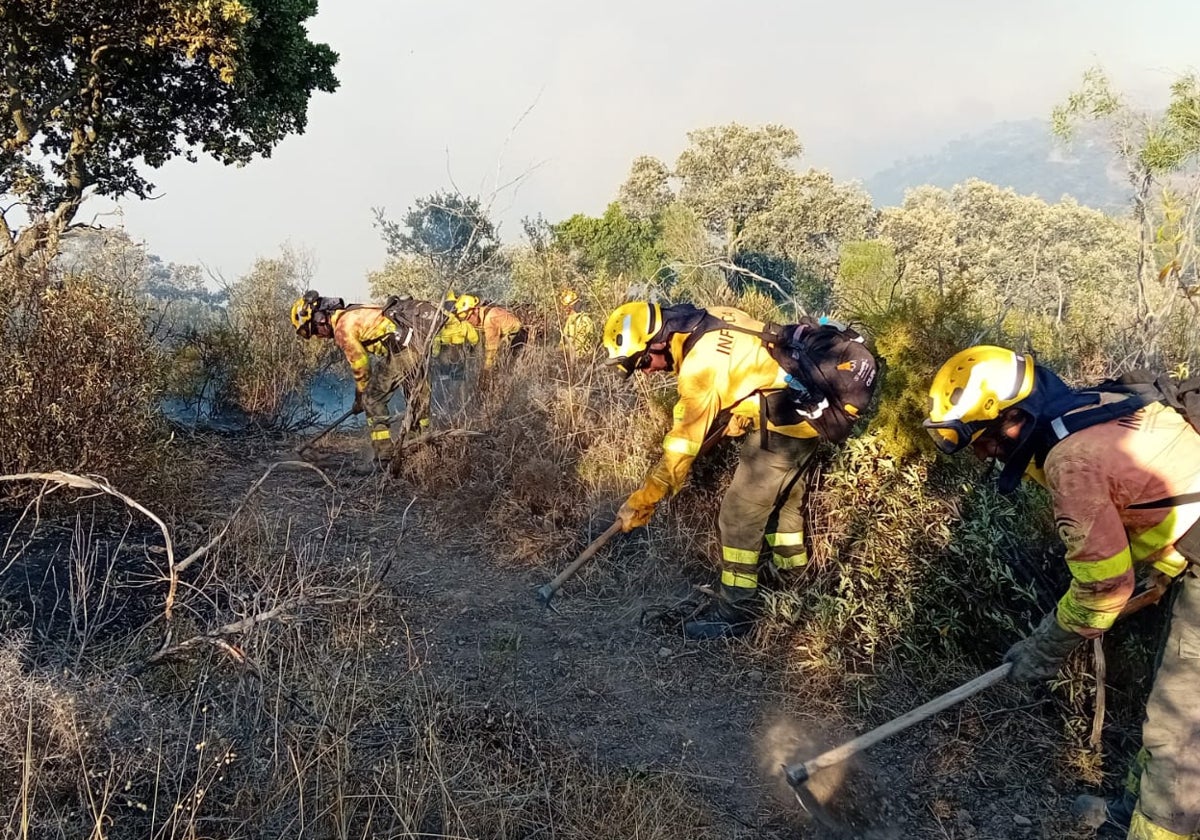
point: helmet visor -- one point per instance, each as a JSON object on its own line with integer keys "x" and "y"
{"x": 951, "y": 436}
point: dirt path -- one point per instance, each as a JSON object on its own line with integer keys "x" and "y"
{"x": 636, "y": 698}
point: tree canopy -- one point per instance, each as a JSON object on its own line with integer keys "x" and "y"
{"x": 731, "y": 172}
{"x": 450, "y": 232}
{"x": 614, "y": 243}
{"x": 95, "y": 87}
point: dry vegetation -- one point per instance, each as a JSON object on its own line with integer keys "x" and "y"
{"x": 288, "y": 696}
{"x": 289, "y": 701}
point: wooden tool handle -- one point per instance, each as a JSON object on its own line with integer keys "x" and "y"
{"x": 798, "y": 773}
{"x": 546, "y": 592}
{"x": 327, "y": 429}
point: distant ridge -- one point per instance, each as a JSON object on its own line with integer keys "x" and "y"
{"x": 1023, "y": 155}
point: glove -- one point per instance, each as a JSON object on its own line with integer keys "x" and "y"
{"x": 631, "y": 516}
{"x": 358, "y": 407}
{"x": 1039, "y": 655}
{"x": 737, "y": 426}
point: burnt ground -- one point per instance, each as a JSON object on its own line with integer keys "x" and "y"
{"x": 718, "y": 717}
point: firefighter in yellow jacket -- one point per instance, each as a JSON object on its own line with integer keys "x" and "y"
{"x": 722, "y": 374}
{"x": 384, "y": 354}
{"x": 449, "y": 350}
{"x": 499, "y": 326}
{"x": 578, "y": 329}
{"x": 1123, "y": 471}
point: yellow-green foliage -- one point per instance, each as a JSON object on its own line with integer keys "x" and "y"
{"x": 916, "y": 556}
{"x": 78, "y": 378}
{"x": 913, "y": 337}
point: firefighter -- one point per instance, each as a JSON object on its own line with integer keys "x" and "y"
{"x": 449, "y": 350}
{"x": 384, "y": 348}
{"x": 727, "y": 381}
{"x": 578, "y": 329}
{"x": 499, "y": 326}
{"x": 1123, "y": 471}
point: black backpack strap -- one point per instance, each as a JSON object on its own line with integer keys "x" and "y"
{"x": 1169, "y": 501}
{"x": 1081, "y": 419}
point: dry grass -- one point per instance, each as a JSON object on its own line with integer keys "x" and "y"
{"x": 292, "y": 700}
{"x": 293, "y": 703}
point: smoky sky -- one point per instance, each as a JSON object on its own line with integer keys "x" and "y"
{"x": 539, "y": 106}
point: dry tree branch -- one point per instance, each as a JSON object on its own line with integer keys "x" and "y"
{"x": 61, "y": 479}
{"x": 203, "y": 550}
{"x": 283, "y": 611}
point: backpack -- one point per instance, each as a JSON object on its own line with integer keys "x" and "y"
{"x": 1183, "y": 396}
{"x": 418, "y": 319}
{"x": 831, "y": 375}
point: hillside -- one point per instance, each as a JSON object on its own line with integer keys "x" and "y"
{"x": 1022, "y": 155}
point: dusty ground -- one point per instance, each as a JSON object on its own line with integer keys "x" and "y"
{"x": 639, "y": 697}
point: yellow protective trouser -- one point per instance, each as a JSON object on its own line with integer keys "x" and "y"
{"x": 1169, "y": 791}
{"x": 390, "y": 373}
{"x": 764, "y": 502}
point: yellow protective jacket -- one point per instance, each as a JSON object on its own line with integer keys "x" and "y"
{"x": 497, "y": 324}
{"x": 720, "y": 374}
{"x": 361, "y": 332}
{"x": 455, "y": 334}
{"x": 579, "y": 332}
{"x": 1096, "y": 476}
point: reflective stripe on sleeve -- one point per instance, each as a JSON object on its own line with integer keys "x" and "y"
{"x": 680, "y": 446}
{"x": 1092, "y": 571}
{"x": 1095, "y": 616}
{"x": 381, "y": 434}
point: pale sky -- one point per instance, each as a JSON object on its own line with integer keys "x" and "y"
{"x": 436, "y": 91}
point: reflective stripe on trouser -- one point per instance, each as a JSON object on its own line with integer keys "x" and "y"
{"x": 787, "y": 549}
{"x": 766, "y": 486}
{"x": 1169, "y": 795}
{"x": 1140, "y": 828}
{"x": 739, "y": 568}
{"x": 395, "y": 371}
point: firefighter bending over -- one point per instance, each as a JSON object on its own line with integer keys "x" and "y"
{"x": 385, "y": 347}
{"x": 1123, "y": 471}
{"x": 729, "y": 382}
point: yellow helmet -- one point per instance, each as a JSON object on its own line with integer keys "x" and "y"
{"x": 301, "y": 313}
{"x": 304, "y": 311}
{"x": 465, "y": 304}
{"x": 628, "y": 332}
{"x": 970, "y": 392}
{"x": 568, "y": 297}
{"x": 450, "y": 301}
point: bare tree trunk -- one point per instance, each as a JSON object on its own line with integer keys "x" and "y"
{"x": 38, "y": 239}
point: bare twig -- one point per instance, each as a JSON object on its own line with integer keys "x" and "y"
{"x": 200, "y": 552}
{"x": 59, "y": 479}
{"x": 280, "y": 612}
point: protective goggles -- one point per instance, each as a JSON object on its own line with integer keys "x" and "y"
{"x": 625, "y": 364}
{"x": 951, "y": 436}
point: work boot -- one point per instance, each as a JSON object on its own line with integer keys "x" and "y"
{"x": 1111, "y": 817}
{"x": 722, "y": 619}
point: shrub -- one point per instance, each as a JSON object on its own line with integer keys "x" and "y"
{"x": 79, "y": 378}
